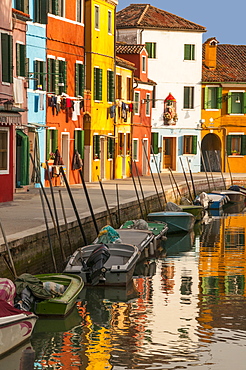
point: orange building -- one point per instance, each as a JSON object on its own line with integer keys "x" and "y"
{"x": 66, "y": 99}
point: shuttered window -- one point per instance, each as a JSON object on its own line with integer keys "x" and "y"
{"x": 22, "y": 5}
{"x": 7, "y": 57}
{"x": 97, "y": 17}
{"x": 39, "y": 75}
{"x": 135, "y": 149}
{"x": 154, "y": 142}
{"x": 110, "y": 85}
{"x": 151, "y": 49}
{"x": 62, "y": 77}
{"x": 79, "y": 142}
{"x": 40, "y": 11}
{"x": 118, "y": 87}
{"x": 57, "y": 7}
{"x": 189, "y": 52}
{"x": 4, "y": 149}
{"x": 51, "y": 142}
{"x": 129, "y": 88}
{"x": 20, "y": 60}
{"x": 79, "y": 79}
{"x": 212, "y": 97}
{"x": 96, "y": 147}
{"x": 235, "y": 103}
{"x": 188, "y": 97}
{"x": 97, "y": 84}
{"x": 190, "y": 144}
{"x": 136, "y": 107}
{"x": 111, "y": 146}
{"x": 236, "y": 144}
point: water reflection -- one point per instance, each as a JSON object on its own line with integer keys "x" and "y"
{"x": 186, "y": 309}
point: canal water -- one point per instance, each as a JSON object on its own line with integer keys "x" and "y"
{"x": 185, "y": 310}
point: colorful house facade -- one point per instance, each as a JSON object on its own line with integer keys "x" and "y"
{"x": 142, "y": 105}
{"x": 65, "y": 89}
{"x": 223, "y": 121}
{"x": 99, "y": 126}
{"x": 123, "y": 117}
{"x": 174, "y": 48}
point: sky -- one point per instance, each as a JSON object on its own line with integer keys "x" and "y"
{"x": 222, "y": 19}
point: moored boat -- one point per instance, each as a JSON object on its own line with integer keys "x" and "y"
{"x": 49, "y": 294}
{"x": 233, "y": 196}
{"x": 176, "y": 221}
{"x": 16, "y": 327}
{"x": 196, "y": 210}
{"x": 104, "y": 264}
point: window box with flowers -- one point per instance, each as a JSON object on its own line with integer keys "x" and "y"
{"x": 51, "y": 158}
{"x": 235, "y": 152}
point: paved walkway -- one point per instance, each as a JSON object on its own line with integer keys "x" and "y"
{"x": 25, "y": 213}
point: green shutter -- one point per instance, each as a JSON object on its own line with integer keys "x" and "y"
{"x": 20, "y": 59}
{"x": 64, "y": 76}
{"x": 49, "y": 75}
{"x": 96, "y": 147}
{"x": 244, "y": 103}
{"x": 76, "y": 87}
{"x": 56, "y": 76}
{"x": 154, "y": 142}
{"x": 100, "y": 84}
{"x": 10, "y": 38}
{"x": 147, "y": 47}
{"x": 47, "y": 143}
{"x": 24, "y": 152}
{"x": 27, "y": 68}
{"x": 219, "y": 97}
{"x": 7, "y": 57}
{"x": 243, "y": 145}
{"x": 97, "y": 84}
{"x": 79, "y": 142}
{"x": 110, "y": 85}
{"x": 54, "y": 140}
{"x": 229, "y": 103}
{"x": 55, "y": 7}
{"x": 206, "y": 104}
{"x": 187, "y": 55}
{"x": 110, "y": 147}
{"x": 81, "y": 79}
{"x": 43, "y": 11}
{"x": 194, "y": 145}
{"x": 228, "y": 144}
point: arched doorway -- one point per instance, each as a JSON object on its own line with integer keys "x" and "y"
{"x": 210, "y": 144}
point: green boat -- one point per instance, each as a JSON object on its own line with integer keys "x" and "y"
{"x": 63, "y": 304}
{"x": 48, "y": 294}
{"x": 195, "y": 210}
{"x": 158, "y": 228}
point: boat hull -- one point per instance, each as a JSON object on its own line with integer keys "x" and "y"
{"x": 176, "y": 221}
{"x": 196, "y": 211}
{"x": 119, "y": 266}
{"x": 60, "y": 306}
{"x": 15, "y": 330}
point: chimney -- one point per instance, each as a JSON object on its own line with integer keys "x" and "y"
{"x": 210, "y": 52}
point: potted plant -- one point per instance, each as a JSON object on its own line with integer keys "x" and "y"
{"x": 235, "y": 152}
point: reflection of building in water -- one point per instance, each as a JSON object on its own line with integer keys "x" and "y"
{"x": 222, "y": 274}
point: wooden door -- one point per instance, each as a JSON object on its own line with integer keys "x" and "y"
{"x": 167, "y": 151}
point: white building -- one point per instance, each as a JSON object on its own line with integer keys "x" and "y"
{"x": 174, "y": 45}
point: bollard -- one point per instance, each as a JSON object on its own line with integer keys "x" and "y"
{"x": 27, "y": 359}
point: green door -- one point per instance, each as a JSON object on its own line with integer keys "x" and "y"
{"x": 22, "y": 159}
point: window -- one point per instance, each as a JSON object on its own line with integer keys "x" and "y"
{"x": 51, "y": 142}
{"x": 20, "y": 60}
{"x": 110, "y": 22}
{"x": 235, "y": 103}
{"x": 212, "y": 97}
{"x": 7, "y": 57}
{"x": 110, "y": 85}
{"x": 97, "y": 84}
{"x": 62, "y": 77}
{"x": 79, "y": 79}
{"x": 189, "y": 52}
{"x": 40, "y": 11}
{"x": 135, "y": 149}
{"x": 110, "y": 153}
{"x": 236, "y": 144}
{"x": 79, "y": 11}
{"x": 151, "y": 49}
{"x": 121, "y": 144}
{"x": 128, "y": 88}
{"x": 51, "y": 64}
{"x": 22, "y": 5}
{"x": 143, "y": 64}
{"x": 97, "y": 24}
{"x": 147, "y": 104}
{"x": 39, "y": 75}
{"x": 118, "y": 87}
{"x": 154, "y": 97}
{"x": 79, "y": 142}
{"x": 188, "y": 97}
{"x": 4, "y": 148}
{"x": 190, "y": 144}
{"x": 96, "y": 147}
{"x": 57, "y": 76}
{"x": 57, "y": 7}
{"x": 136, "y": 105}
{"x": 154, "y": 142}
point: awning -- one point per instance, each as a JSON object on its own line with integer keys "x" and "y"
{"x": 7, "y": 118}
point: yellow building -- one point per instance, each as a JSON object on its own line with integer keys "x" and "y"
{"x": 223, "y": 121}
{"x": 123, "y": 117}
{"x": 100, "y": 72}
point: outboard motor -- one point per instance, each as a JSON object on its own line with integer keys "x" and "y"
{"x": 94, "y": 266}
